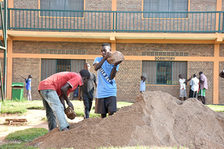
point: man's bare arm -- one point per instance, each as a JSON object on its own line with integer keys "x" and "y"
{"x": 114, "y": 70}
{"x": 98, "y": 65}
{"x": 62, "y": 101}
{"x": 64, "y": 90}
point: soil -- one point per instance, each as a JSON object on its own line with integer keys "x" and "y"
{"x": 35, "y": 118}
{"x": 156, "y": 119}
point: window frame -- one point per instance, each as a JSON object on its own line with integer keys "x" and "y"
{"x": 60, "y": 60}
{"x": 48, "y": 62}
{"x": 62, "y": 16}
{"x": 156, "y": 76}
{"x": 188, "y": 9}
{"x": 157, "y": 73}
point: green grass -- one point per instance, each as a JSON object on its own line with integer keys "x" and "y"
{"x": 20, "y": 107}
{"x": 217, "y": 108}
{"x": 23, "y": 136}
{"x": 16, "y": 146}
{"x": 26, "y": 135}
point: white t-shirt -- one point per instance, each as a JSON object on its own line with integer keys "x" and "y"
{"x": 194, "y": 84}
{"x": 182, "y": 84}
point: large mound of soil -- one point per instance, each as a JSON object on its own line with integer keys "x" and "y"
{"x": 157, "y": 120}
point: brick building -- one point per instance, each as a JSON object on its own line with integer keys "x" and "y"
{"x": 159, "y": 39}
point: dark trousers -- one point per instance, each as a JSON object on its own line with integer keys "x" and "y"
{"x": 193, "y": 94}
{"x": 88, "y": 105}
{"x": 201, "y": 98}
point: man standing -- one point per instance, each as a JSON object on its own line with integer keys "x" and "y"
{"x": 54, "y": 90}
{"x": 87, "y": 91}
{"x": 203, "y": 84}
{"x": 194, "y": 86}
{"x": 106, "y": 86}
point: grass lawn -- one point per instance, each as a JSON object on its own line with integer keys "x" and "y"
{"x": 217, "y": 108}
{"x": 22, "y": 137}
{"x": 20, "y": 107}
{"x": 16, "y": 146}
{"x": 27, "y": 134}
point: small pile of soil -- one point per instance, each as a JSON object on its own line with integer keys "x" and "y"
{"x": 157, "y": 119}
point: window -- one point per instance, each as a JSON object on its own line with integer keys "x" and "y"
{"x": 165, "y": 6}
{"x": 51, "y": 66}
{"x": 63, "y": 65}
{"x": 163, "y": 72}
{"x": 62, "y": 5}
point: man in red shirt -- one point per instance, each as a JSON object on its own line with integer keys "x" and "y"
{"x": 54, "y": 90}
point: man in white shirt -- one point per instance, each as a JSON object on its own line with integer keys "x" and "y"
{"x": 183, "y": 93}
{"x": 194, "y": 86}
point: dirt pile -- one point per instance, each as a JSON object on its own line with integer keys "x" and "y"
{"x": 157, "y": 120}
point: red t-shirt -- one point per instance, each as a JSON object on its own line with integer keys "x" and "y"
{"x": 56, "y": 81}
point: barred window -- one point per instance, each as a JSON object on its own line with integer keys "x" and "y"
{"x": 63, "y": 65}
{"x": 51, "y": 66}
{"x": 154, "y": 6}
{"x": 163, "y": 72}
{"x": 62, "y": 5}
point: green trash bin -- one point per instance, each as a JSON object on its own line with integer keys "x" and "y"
{"x": 17, "y": 90}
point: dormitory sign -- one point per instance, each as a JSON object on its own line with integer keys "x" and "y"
{"x": 164, "y": 58}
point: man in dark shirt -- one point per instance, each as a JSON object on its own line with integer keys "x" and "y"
{"x": 87, "y": 91}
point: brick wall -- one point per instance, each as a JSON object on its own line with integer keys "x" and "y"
{"x": 127, "y": 79}
{"x": 202, "y": 5}
{"x": 89, "y": 4}
{"x": 195, "y": 5}
{"x": 193, "y": 67}
{"x": 24, "y": 67}
{"x": 102, "y": 5}
{"x": 126, "y": 21}
{"x": 221, "y": 52}
{"x": 56, "y": 47}
{"x": 26, "y": 4}
{"x": 222, "y": 5}
{"x": 207, "y": 69}
{"x": 164, "y": 24}
{"x": 193, "y": 50}
{"x": 127, "y": 5}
